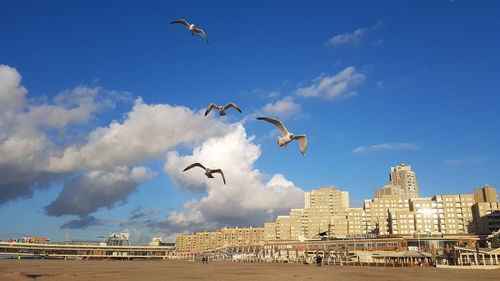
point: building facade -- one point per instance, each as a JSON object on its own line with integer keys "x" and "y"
{"x": 388, "y": 215}
{"x": 402, "y": 183}
{"x": 325, "y": 211}
{"x": 485, "y": 194}
{"x": 211, "y": 240}
{"x": 395, "y": 210}
{"x": 487, "y": 216}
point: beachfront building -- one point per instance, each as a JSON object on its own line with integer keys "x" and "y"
{"x": 488, "y": 217}
{"x": 327, "y": 213}
{"x": 447, "y": 214}
{"x": 357, "y": 221}
{"x": 270, "y": 231}
{"x": 327, "y": 198}
{"x": 454, "y": 213}
{"x": 210, "y": 240}
{"x": 485, "y": 194}
{"x": 402, "y": 183}
{"x": 378, "y": 209}
{"x": 486, "y": 210}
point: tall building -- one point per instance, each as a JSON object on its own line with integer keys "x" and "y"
{"x": 454, "y": 213}
{"x": 486, "y": 217}
{"x": 402, "y": 183}
{"x": 377, "y": 211}
{"x": 325, "y": 211}
{"x": 485, "y": 194}
{"x": 327, "y": 198}
{"x": 486, "y": 210}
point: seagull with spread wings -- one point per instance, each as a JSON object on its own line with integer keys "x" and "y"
{"x": 221, "y": 108}
{"x": 287, "y": 137}
{"x": 208, "y": 172}
{"x": 191, "y": 28}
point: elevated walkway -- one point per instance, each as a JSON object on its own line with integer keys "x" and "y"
{"x": 83, "y": 251}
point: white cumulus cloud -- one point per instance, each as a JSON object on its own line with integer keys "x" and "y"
{"x": 334, "y": 87}
{"x": 102, "y": 168}
{"x": 12, "y": 94}
{"x": 283, "y": 108}
{"x": 25, "y": 145}
{"x": 247, "y": 199}
{"x": 147, "y": 132}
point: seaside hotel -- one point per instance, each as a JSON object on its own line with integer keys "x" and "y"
{"x": 396, "y": 210}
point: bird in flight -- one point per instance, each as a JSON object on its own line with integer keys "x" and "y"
{"x": 221, "y": 108}
{"x": 287, "y": 137}
{"x": 191, "y": 28}
{"x": 208, "y": 172}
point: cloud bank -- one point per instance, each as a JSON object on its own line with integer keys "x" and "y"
{"x": 26, "y": 137}
{"x": 102, "y": 167}
{"x": 83, "y": 223}
{"x": 249, "y": 198}
{"x": 97, "y": 189}
{"x": 97, "y": 171}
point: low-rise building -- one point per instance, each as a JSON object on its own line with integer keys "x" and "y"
{"x": 209, "y": 240}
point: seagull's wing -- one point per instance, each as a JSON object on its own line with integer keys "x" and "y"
{"x": 210, "y": 108}
{"x": 194, "y": 165}
{"x": 303, "y": 143}
{"x": 197, "y": 30}
{"x": 278, "y": 124}
{"x": 233, "y": 106}
{"x": 181, "y": 21}
{"x": 220, "y": 172}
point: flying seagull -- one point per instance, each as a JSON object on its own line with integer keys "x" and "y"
{"x": 191, "y": 28}
{"x": 208, "y": 172}
{"x": 287, "y": 137}
{"x": 221, "y": 108}
{"x": 322, "y": 234}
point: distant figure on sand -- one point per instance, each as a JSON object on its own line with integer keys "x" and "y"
{"x": 318, "y": 260}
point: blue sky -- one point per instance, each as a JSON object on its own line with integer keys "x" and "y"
{"x": 102, "y": 106}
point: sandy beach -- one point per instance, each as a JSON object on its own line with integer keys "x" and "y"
{"x": 58, "y": 270}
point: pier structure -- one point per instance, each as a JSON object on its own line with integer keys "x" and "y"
{"x": 83, "y": 251}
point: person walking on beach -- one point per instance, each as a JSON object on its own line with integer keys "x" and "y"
{"x": 318, "y": 260}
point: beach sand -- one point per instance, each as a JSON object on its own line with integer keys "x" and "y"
{"x": 90, "y": 270}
